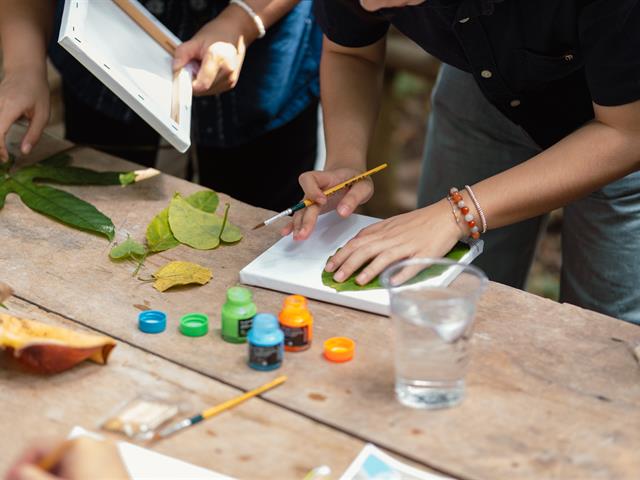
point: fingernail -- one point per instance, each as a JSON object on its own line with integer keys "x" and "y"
{"x": 339, "y": 277}
{"x": 26, "y": 148}
{"x": 329, "y": 267}
{"x": 344, "y": 211}
{"x": 361, "y": 279}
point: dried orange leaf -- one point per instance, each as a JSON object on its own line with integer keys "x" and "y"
{"x": 48, "y": 349}
{"x": 180, "y": 273}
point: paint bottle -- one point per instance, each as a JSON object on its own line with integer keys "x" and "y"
{"x": 266, "y": 343}
{"x": 237, "y": 315}
{"x": 297, "y": 323}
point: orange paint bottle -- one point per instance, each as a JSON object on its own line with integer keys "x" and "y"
{"x": 297, "y": 323}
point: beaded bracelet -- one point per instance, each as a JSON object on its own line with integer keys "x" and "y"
{"x": 457, "y": 199}
{"x": 262, "y": 31}
{"x": 483, "y": 220}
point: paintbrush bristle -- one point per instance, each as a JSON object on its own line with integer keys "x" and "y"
{"x": 260, "y": 225}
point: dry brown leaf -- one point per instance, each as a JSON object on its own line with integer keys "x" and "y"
{"x": 180, "y": 273}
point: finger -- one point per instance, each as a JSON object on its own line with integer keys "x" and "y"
{"x": 36, "y": 126}
{"x": 342, "y": 254}
{"x": 371, "y": 229}
{"x": 313, "y": 182}
{"x": 309, "y": 219}
{"x": 29, "y": 472}
{"x": 207, "y": 74}
{"x": 380, "y": 263}
{"x": 287, "y": 229}
{"x": 184, "y": 53}
{"x": 223, "y": 81}
{"x": 359, "y": 257}
{"x": 406, "y": 274}
{"x": 7, "y": 118}
{"x": 356, "y": 196}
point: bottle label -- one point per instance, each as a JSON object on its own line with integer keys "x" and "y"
{"x": 244, "y": 326}
{"x": 296, "y": 336}
{"x": 265, "y": 356}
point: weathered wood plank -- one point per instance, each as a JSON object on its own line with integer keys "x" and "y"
{"x": 254, "y": 440}
{"x": 550, "y": 393}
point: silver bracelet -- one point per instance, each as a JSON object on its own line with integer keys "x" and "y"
{"x": 483, "y": 220}
{"x": 254, "y": 16}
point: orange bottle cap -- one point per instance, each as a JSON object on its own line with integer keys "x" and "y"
{"x": 339, "y": 349}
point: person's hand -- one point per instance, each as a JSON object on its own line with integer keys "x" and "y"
{"x": 345, "y": 201}
{"x": 23, "y": 93}
{"x": 220, "y": 47}
{"x": 83, "y": 458}
{"x": 426, "y": 232}
{"x": 373, "y": 5}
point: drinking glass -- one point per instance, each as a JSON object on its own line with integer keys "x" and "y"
{"x": 432, "y": 303}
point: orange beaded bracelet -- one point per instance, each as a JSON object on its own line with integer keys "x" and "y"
{"x": 458, "y": 201}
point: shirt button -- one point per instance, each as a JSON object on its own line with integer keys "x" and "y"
{"x": 515, "y": 103}
{"x": 486, "y": 74}
{"x": 464, "y": 20}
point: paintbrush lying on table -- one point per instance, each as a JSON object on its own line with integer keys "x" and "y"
{"x": 210, "y": 412}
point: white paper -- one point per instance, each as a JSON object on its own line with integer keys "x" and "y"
{"x": 373, "y": 464}
{"x": 129, "y": 62}
{"x": 296, "y": 266}
{"x": 144, "y": 464}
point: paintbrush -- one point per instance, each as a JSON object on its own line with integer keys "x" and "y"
{"x": 54, "y": 457}
{"x": 215, "y": 410}
{"x": 307, "y": 203}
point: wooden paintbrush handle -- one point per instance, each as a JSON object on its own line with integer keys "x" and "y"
{"x": 210, "y": 412}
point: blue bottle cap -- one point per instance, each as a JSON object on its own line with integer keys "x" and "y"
{"x": 264, "y": 323}
{"x": 152, "y": 321}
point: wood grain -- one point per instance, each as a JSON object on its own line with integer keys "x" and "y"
{"x": 553, "y": 391}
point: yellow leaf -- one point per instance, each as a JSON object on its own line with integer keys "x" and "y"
{"x": 180, "y": 273}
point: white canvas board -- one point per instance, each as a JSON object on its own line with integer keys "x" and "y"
{"x": 130, "y": 63}
{"x": 145, "y": 464}
{"x": 296, "y": 266}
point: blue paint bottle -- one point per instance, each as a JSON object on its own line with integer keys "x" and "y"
{"x": 266, "y": 343}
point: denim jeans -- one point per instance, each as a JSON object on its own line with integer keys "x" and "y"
{"x": 469, "y": 140}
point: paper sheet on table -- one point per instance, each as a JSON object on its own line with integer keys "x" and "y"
{"x": 296, "y": 266}
{"x": 373, "y": 464}
{"x": 144, "y": 464}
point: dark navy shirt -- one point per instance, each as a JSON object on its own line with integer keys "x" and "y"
{"x": 541, "y": 62}
{"x": 279, "y": 77}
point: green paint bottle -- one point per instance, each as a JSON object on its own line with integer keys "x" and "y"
{"x": 237, "y": 315}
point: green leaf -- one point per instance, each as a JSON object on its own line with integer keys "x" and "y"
{"x": 350, "y": 285}
{"x": 230, "y": 233}
{"x": 192, "y": 226}
{"x": 64, "y": 207}
{"x": 5, "y": 189}
{"x": 159, "y": 235}
{"x": 128, "y": 249}
{"x": 205, "y": 200}
{"x": 68, "y": 175}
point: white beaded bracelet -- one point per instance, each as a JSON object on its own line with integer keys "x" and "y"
{"x": 256, "y": 18}
{"x": 483, "y": 220}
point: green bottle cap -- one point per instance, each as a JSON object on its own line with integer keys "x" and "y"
{"x": 194, "y": 324}
{"x": 239, "y": 295}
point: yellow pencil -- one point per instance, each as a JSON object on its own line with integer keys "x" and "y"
{"x": 215, "y": 410}
{"x": 307, "y": 203}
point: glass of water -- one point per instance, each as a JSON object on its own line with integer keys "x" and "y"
{"x": 433, "y": 304}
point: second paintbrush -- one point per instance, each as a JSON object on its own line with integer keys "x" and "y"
{"x": 307, "y": 203}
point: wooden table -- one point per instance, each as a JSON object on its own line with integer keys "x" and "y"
{"x": 553, "y": 390}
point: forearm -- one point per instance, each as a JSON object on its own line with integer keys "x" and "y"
{"x": 581, "y": 163}
{"x": 25, "y": 27}
{"x": 269, "y": 11}
{"x": 351, "y": 85}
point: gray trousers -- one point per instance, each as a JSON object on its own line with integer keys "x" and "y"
{"x": 469, "y": 140}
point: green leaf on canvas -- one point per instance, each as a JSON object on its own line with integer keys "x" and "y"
{"x": 58, "y": 204}
{"x": 350, "y": 285}
{"x": 128, "y": 249}
{"x": 180, "y": 273}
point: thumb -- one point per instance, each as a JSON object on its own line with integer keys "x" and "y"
{"x": 358, "y": 194}
{"x": 185, "y": 52}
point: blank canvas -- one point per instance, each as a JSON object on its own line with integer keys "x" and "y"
{"x": 130, "y": 63}
{"x": 296, "y": 266}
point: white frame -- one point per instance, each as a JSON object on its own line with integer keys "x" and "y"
{"x": 73, "y": 40}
